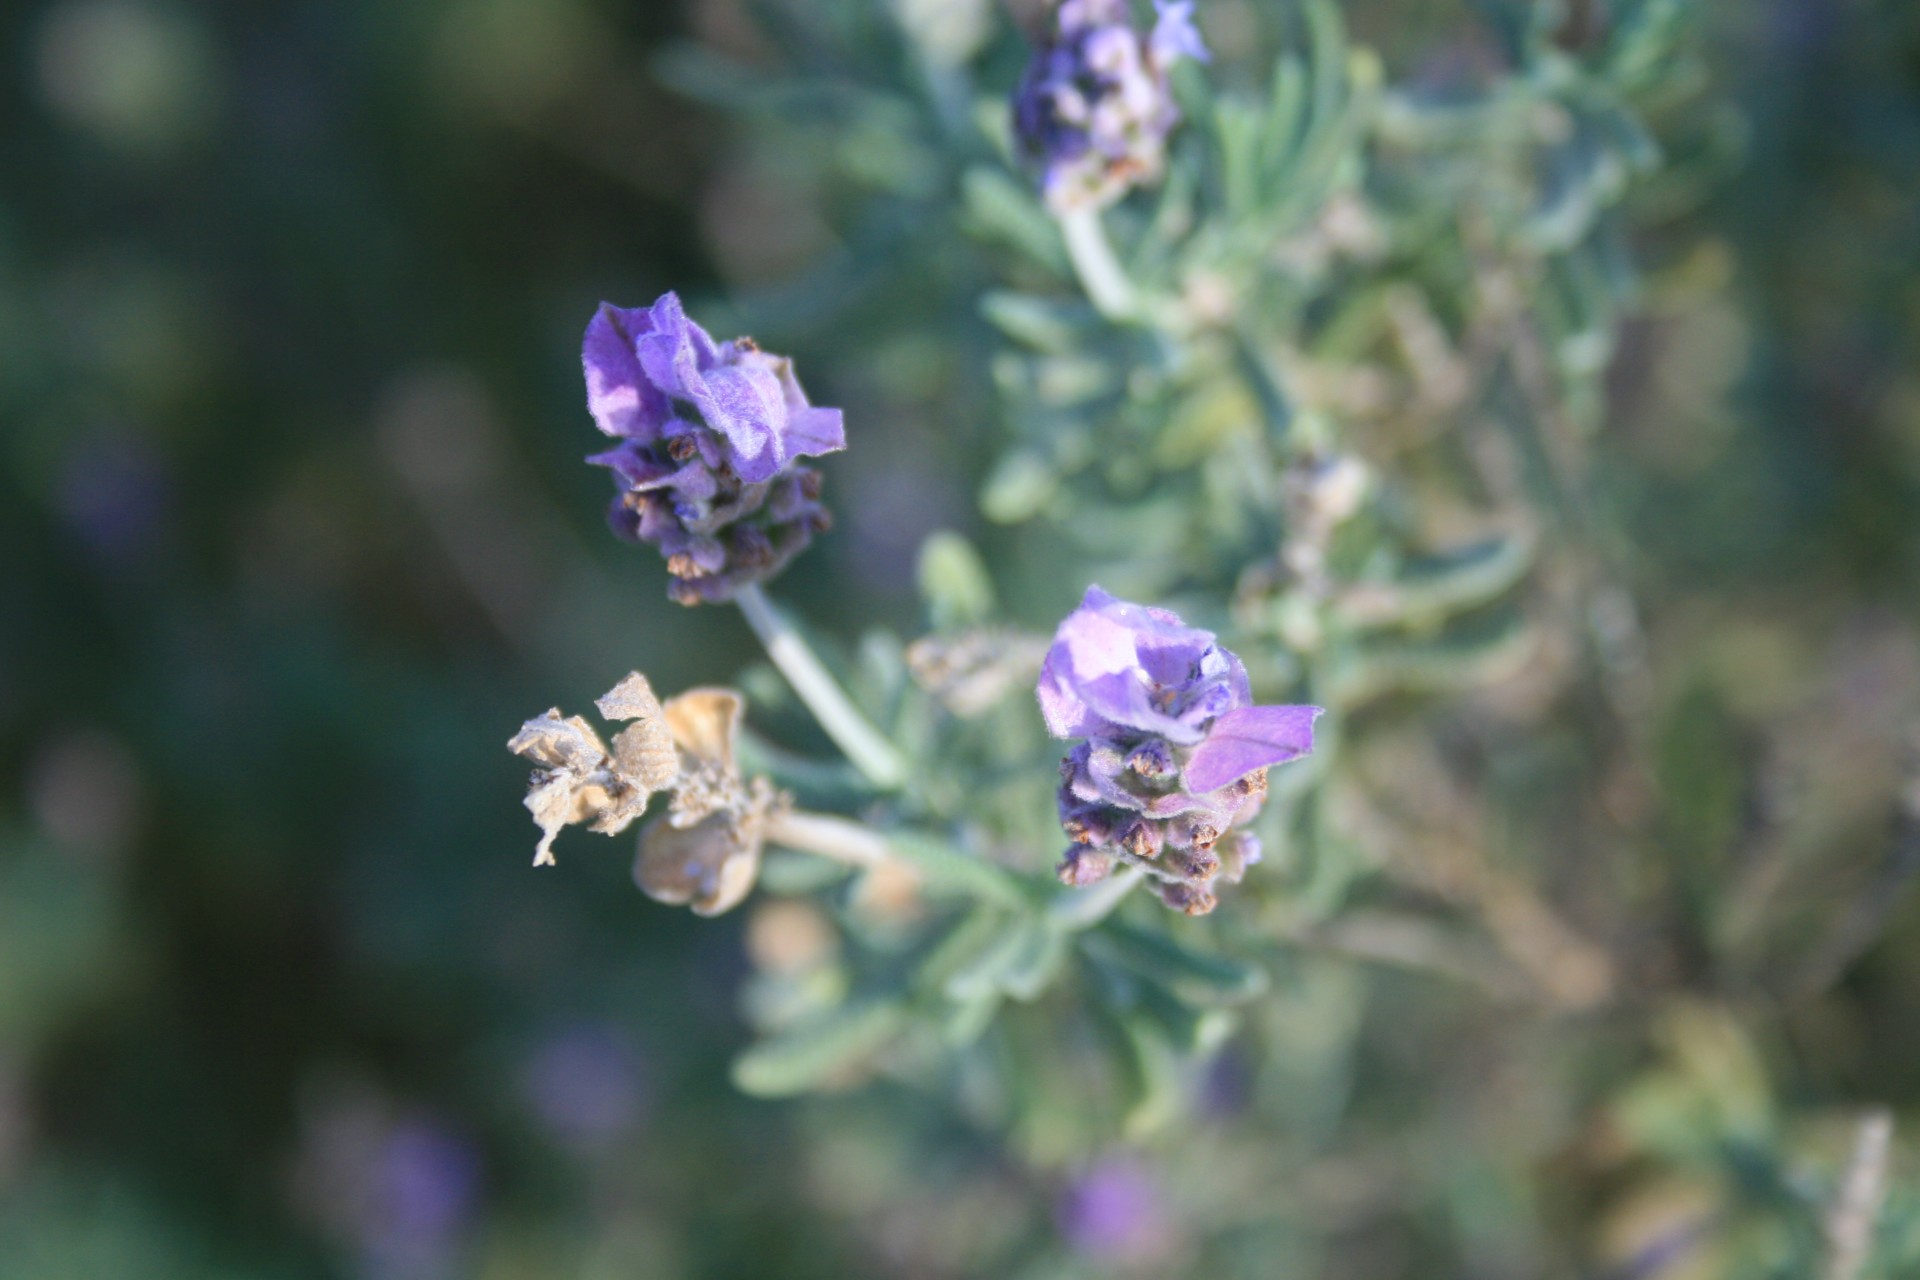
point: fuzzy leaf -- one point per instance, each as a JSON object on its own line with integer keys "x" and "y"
{"x": 1201, "y": 977}
{"x": 826, "y": 1050}
{"x": 954, "y": 581}
{"x": 1451, "y": 583}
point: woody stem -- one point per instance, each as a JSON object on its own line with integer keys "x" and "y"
{"x": 865, "y": 747}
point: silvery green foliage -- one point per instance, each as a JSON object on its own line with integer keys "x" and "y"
{"x": 1324, "y": 382}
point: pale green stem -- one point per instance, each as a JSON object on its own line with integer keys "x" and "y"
{"x": 1084, "y": 908}
{"x": 1101, "y": 274}
{"x": 1854, "y": 1215}
{"x": 865, "y": 746}
{"x": 825, "y": 836}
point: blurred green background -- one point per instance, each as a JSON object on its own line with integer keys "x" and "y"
{"x": 293, "y": 533}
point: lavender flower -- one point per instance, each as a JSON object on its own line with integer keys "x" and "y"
{"x": 1116, "y": 1213}
{"x": 710, "y": 439}
{"x": 1094, "y": 109}
{"x": 1176, "y": 754}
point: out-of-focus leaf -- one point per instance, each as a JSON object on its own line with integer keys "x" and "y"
{"x": 1190, "y": 974}
{"x": 954, "y": 582}
{"x": 827, "y": 1050}
{"x": 998, "y": 209}
{"x": 1158, "y": 1083}
{"x": 1474, "y": 650}
{"x": 1019, "y": 960}
{"x": 1033, "y": 967}
{"x": 988, "y": 970}
{"x": 1462, "y": 579}
{"x": 947, "y": 871}
{"x": 1044, "y": 324}
{"x": 1019, "y": 488}
{"x": 962, "y": 947}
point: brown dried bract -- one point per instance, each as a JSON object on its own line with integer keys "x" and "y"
{"x": 576, "y": 779}
{"x": 711, "y": 864}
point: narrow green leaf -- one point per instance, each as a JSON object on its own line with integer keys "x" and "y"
{"x": 1045, "y": 324}
{"x": 1436, "y": 586}
{"x": 947, "y": 871}
{"x": 1467, "y": 653}
{"x": 989, "y": 970}
{"x": 820, "y": 1051}
{"x": 1192, "y": 975}
{"x": 1019, "y": 488}
{"x": 999, "y": 208}
{"x": 1158, "y": 1083}
{"x": 1039, "y": 959}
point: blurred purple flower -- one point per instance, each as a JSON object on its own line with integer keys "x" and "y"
{"x": 113, "y": 495}
{"x": 425, "y": 1183}
{"x": 1094, "y": 109}
{"x": 584, "y": 1084}
{"x": 1115, "y": 1213}
{"x": 1176, "y": 754}
{"x": 710, "y": 438}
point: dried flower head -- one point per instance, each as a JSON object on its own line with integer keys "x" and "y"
{"x": 710, "y": 437}
{"x": 1094, "y": 110}
{"x": 576, "y": 779}
{"x": 1176, "y": 754}
{"x": 705, "y": 850}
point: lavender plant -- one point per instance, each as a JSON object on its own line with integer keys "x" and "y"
{"x": 1309, "y": 357}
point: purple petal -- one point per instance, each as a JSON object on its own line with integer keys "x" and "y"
{"x": 744, "y": 404}
{"x": 1248, "y": 739}
{"x": 621, "y": 398}
{"x": 677, "y": 349}
{"x": 812, "y": 432}
{"x": 634, "y": 464}
{"x": 1063, "y": 709}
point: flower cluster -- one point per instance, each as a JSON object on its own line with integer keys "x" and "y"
{"x": 710, "y": 438}
{"x": 1094, "y": 109}
{"x": 1176, "y": 754}
{"x": 705, "y": 850}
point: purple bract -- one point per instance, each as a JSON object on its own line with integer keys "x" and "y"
{"x": 1176, "y": 753}
{"x": 710, "y": 439}
{"x": 1094, "y": 109}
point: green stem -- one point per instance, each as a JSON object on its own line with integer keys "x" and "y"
{"x": 1101, "y": 274}
{"x": 865, "y": 746}
{"x": 825, "y": 836}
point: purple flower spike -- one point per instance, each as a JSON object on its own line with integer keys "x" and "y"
{"x": 1094, "y": 109}
{"x": 710, "y": 436}
{"x": 1176, "y": 754}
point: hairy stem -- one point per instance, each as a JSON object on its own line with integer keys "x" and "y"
{"x": 1101, "y": 274}
{"x": 865, "y": 746}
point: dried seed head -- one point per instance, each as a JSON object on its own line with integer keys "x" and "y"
{"x": 578, "y": 781}
{"x": 685, "y": 745}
